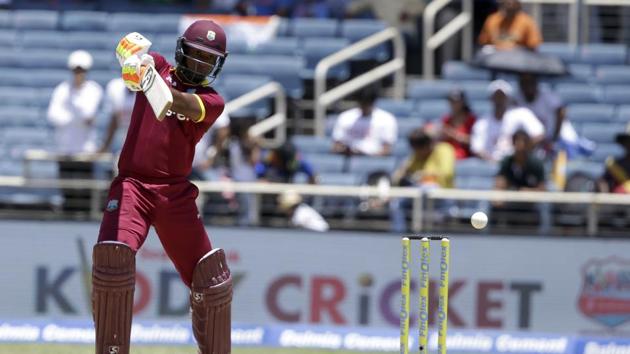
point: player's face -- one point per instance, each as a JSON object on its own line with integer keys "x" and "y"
{"x": 500, "y": 99}
{"x": 79, "y": 75}
{"x": 199, "y": 61}
{"x": 528, "y": 86}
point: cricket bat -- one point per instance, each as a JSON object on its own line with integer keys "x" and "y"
{"x": 157, "y": 92}
{"x": 155, "y": 89}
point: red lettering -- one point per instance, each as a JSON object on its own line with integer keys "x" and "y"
{"x": 485, "y": 304}
{"x": 143, "y": 293}
{"x": 272, "y": 298}
{"x": 453, "y": 316}
{"x": 321, "y": 303}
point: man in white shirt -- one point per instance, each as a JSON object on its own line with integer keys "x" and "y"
{"x": 492, "y": 135}
{"x": 365, "y": 130}
{"x": 72, "y": 111}
{"x": 119, "y": 102}
{"x": 73, "y": 106}
{"x": 550, "y": 111}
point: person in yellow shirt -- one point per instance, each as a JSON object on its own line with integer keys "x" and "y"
{"x": 510, "y": 27}
{"x": 431, "y": 164}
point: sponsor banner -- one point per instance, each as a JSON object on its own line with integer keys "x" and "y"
{"x": 602, "y": 346}
{"x": 252, "y": 30}
{"x": 337, "y": 279}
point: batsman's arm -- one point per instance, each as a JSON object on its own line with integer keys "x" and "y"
{"x": 188, "y": 104}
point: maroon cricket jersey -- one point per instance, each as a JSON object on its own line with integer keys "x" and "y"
{"x": 162, "y": 152}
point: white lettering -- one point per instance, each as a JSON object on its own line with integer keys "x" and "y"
{"x": 608, "y": 348}
{"x": 159, "y": 334}
{"x": 23, "y": 333}
{"x": 54, "y": 333}
{"x": 509, "y": 344}
{"x": 248, "y": 336}
{"x": 356, "y": 341}
{"x": 291, "y": 338}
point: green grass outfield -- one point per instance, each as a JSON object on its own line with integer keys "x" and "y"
{"x": 141, "y": 349}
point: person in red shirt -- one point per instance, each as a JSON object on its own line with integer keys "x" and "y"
{"x": 457, "y": 125}
{"x": 152, "y": 189}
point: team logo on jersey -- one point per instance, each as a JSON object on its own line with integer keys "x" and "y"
{"x": 112, "y": 205}
{"x": 605, "y": 295}
{"x": 211, "y": 35}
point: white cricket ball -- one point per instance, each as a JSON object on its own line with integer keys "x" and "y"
{"x": 479, "y": 220}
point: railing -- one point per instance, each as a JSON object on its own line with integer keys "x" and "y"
{"x": 587, "y": 5}
{"x": 396, "y": 66}
{"x": 277, "y": 122}
{"x": 573, "y": 15}
{"x": 593, "y": 200}
{"x": 433, "y": 40}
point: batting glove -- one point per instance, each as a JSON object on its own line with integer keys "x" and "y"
{"x": 133, "y": 70}
{"x": 132, "y": 44}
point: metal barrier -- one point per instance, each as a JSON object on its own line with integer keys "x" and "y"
{"x": 277, "y": 122}
{"x": 418, "y": 224}
{"x": 586, "y": 7}
{"x": 396, "y": 66}
{"x": 432, "y": 40}
{"x": 573, "y": 15}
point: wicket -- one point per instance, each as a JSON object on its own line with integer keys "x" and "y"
{"x": 423, "y": 317}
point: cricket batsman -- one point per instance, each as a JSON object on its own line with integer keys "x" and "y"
{"x": 152, "y": 189}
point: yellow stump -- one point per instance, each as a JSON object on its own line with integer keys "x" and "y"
{"x": 405, "y": 290}
{"x": 423, "y": 318}
{"x": 445, "y": 256}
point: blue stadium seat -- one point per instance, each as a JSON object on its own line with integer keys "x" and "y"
{"x": 237, "y": 85}
{"x": 601, "y": 133}
{"x": 475, "y": 90}
{"x": 10, "y": 168}
{"x": 26, "y": 136}
{"x": 617, "y": 94}
{"x": 9, "y": 58}
{"x": 591, "y": 112}
{"x": 235, "y": 47}
{"x": 311, "y": 27}
{"x": 578, "y": 93}
{"x": 20, "y": 116}
{"x": 564, "y": 51}
{"x": 399, "y": 108}
{"x": 429, "y": 89}
{"x": 581, "y": 72}
{"x": 102, "y": 77}
{"x": 623, "y": 113}
{"x": 43, "y": 39}
{"x": 135, "y": 22}
{"x": 363, "y": 165}
{"x": 432, "y": 109}
{"x": 19, "y": 96}
{"x": 600, "y": 53}
{"x": 603, "y": 151}
{"x": 457, "y": 70}
{"x": 43, "y": 97}
{"x": 280, "y": 68}
{"x": 84, "y": 21}
{"x": 325, "y": 163}
{"x": 474, "y": 167}
{"x": 406, "y": 126}
{"x": 401, "y": 149}
{"x": 89, "y": 41}
{"x": 316, "y": 49}
{"x": 589, "y": 168}
{"x": 35, "y": 19}
{"x": 165, "y": 44}
{"x": 481, "y": 108}
{"x": 355, "y": 30}
{"x": 284, "y": 28}
{"x": 474, "y": 183}
{"x": 6, "y": 19}
{"x": 278, "y": 46}
{"x": 309, "y": 144}
{"x": 8, "y": 38}
{"x": 338, "y": 179}
{"x": 55, "y": 59}
{"x": 612, "y": 74}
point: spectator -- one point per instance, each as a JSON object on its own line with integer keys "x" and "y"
{"x": 510, "y": 27}
{"x": 73, "y": 107}
{"x": 521, "y": 171}
{"x": 72, "y": 111}
{"x": 282, "y": 164}
{"x": 365, "y": 130}
{"x": 312, "y": 8}
{"x": 431, "y": 165}
{"x": 616, "y": 178}
{"x": 211, "y": 148}
{"x": 301, "y": 214}
{"x": 119, "y": 102}
{"x": 457, "y": 126}
{"x": 550, "y": 111}
{"x": 492, "y": 135}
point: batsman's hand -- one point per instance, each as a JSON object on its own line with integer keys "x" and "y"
{"x": 133, "y": 69}
{"x": 132, "y": 44}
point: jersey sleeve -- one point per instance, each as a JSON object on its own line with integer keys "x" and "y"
{"x": 159, "y": 60}
{"x": 212, "y": 106}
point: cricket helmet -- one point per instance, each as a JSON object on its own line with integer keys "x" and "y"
{"x": 205, "y": 36}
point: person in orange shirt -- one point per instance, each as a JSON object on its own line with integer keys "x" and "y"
{"x": 510, "y": 27}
